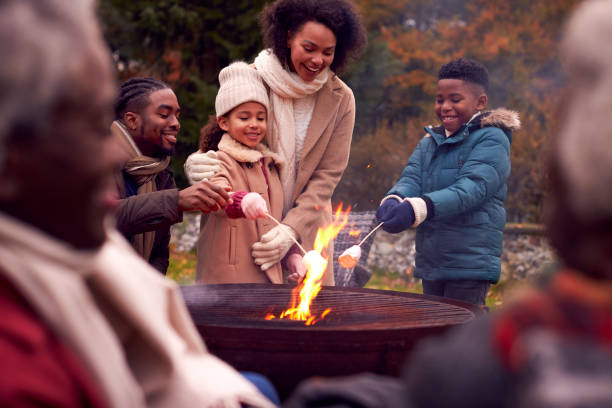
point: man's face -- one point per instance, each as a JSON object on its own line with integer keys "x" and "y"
{"x": 63, "y": 182}
{"x": 158, "y": 125}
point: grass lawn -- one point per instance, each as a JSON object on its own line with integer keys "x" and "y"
{"x": 182, "y": 270}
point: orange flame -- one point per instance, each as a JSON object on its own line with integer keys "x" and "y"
{"x": 354, "y": 233}
{"x": 303, "y": 294}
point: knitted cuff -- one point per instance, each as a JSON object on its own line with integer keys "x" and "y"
{"x": 234, "y": 210}
{"x": 420, "y": 210}
{"x": 430, "y": 207}
{"x": 398, "y": 198}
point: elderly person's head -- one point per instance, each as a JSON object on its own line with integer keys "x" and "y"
{"x": 580, "y": 219}
{"x": 56, "y": 155}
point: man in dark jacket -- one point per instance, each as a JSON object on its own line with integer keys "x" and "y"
{"x": 146, "y": 125}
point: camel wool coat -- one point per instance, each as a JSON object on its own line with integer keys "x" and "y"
{"x": 224, "y": 246}
{"x": 324, "y": 157}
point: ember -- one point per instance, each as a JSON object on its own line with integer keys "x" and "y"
{"x": 354, "y": 233}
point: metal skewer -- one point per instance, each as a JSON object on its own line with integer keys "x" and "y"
{"x": 293, "y": 239}
{"x": 370, "y": 233}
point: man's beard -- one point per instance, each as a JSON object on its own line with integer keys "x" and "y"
{"x": 162, "y": 153}
{"x": 159, "y": 152}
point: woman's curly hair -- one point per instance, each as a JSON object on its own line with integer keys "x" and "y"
{"x": 288, "y": 16}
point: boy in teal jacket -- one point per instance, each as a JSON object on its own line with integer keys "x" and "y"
{"x": 454, "y": 186}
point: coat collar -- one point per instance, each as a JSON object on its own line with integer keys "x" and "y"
{"x": 505, "y": 119}
{"x": 245, "y": 154}
{"x": 328, "y": 97}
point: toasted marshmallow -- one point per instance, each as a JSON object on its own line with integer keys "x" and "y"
{"x": 314, "y": 261}
{"x": 349, "y": 257}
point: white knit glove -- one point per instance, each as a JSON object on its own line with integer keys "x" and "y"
{"x": 253, "y": 206}
{"x": 201, "y": 166}
{"x": 273, "y": 246}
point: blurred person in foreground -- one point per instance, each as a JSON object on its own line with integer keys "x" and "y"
{"x": 146, "y": 125}
{"x": 551, "y": 346}
{"x": 85, "y": 321}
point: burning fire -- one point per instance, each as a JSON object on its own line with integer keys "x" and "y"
{"x": 303, "y": 294}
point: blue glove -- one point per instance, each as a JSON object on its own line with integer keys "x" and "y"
{"x": 385, "y": 209}
{"x": 399, "y": 218}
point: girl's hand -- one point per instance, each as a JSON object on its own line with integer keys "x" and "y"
{"x": 253, "y": 206}
{"x": 296, "y": 268}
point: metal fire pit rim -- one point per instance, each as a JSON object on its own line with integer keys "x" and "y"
{"x": 299, "y": 326}
{"x": 477, "y": 310}
{"x": 331, "y": 330}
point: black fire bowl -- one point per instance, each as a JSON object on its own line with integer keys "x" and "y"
{"x": 367, "y": 330}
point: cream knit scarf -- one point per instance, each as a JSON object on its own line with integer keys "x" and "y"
{"x": 143, "y": 169}
{"x": 284, "y": 86}
{"x": 128, "y": 325}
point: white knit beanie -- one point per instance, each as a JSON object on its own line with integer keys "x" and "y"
{"x": 239, "y": 83}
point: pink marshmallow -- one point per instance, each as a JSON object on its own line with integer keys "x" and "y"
{"x": 253, "y": 206}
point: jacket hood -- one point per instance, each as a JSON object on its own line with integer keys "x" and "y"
{"x": 505, "y": 119}
{"x": 502, "y": 118}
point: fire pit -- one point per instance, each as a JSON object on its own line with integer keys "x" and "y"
{"x": 367, "y": 330}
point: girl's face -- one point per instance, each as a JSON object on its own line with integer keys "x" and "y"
{"x": 311, "y": 50}
{"x": 246, "y": 123}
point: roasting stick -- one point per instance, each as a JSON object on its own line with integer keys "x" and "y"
{"x": 348, "y": 253}
{"x": 370, "y": 233}
{"x": 293, "y": 239}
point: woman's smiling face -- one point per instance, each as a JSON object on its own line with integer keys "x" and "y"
{"x": 311, "y": 50}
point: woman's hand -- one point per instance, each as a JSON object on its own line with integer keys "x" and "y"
{"x": 201, "y": 166}
{"x": 273, "y": 246}
{"x": 296, "y": 268}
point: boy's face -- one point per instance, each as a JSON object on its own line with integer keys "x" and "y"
{"x": 457, "y": 101}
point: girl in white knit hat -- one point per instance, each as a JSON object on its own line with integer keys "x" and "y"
{"x": 251, "y": 170}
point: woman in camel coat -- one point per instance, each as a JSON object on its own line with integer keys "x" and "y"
{"x": 311, "y": 116}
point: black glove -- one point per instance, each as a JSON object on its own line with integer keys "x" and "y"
{"x": 399, "y": 218}
{"x": 385, "y": 209}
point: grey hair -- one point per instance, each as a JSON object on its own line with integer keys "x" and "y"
{"x": 41, "y": 43}
{"x": 584, "y": 144}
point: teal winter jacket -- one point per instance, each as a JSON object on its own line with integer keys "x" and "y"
{"x": 463, "y": 180}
